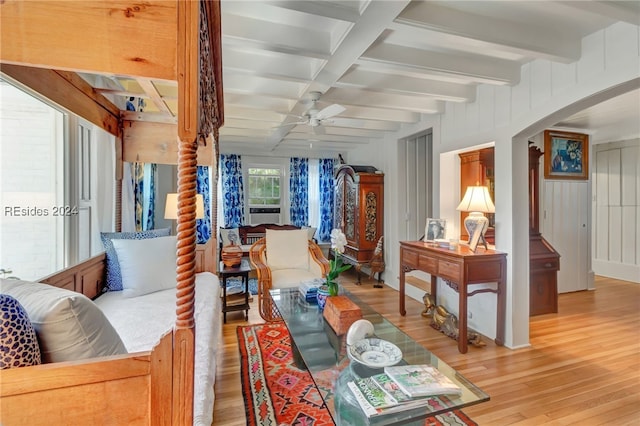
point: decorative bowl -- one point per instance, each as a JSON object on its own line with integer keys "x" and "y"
{"x": 231, "y": 255}
{"x": 374, "y": 353}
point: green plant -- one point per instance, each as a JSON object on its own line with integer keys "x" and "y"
{"x": 338, "y": 241}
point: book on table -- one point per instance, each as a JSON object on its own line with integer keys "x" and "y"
{"x": 380, "y": 394}
{"x": 422, "y": 380}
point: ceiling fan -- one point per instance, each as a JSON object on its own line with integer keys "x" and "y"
{"x": 315, "y": 117}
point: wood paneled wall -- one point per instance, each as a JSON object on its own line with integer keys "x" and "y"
{"x": 616, "y": 210}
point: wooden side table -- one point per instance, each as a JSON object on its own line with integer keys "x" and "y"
{"x": 237, "y": 301}
{"x": 460, "y": 269}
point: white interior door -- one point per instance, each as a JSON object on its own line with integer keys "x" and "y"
{"x": 565, "y": 218}
{"x": 418, "y": 177}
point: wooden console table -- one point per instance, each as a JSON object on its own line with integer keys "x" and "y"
{"x": 459, "y": 268}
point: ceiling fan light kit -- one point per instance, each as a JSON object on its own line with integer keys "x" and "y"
{"x": 314, "y": 117}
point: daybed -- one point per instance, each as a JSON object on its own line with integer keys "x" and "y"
{"x": 140, "y": 322}
{"x": 51, "y": 47}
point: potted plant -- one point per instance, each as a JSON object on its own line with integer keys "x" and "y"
{"x": 338, "y": 241}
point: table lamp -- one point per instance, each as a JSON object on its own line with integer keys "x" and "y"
{"x": 476, "y": 201}
{"x": 171, "y": 206}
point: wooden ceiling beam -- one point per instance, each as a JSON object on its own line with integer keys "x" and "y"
{"x": 152, "y": 92}
{"x": 110, "y": 37}
{"x": 157, "y": 143}
{"x": 70, "y": 91}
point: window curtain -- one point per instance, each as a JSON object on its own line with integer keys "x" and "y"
{"x": 144, "y": 193}
{"x": 128, "y": 199}
{"x": 203, "y": 226}
{"x": 314, "y": 193}
{"x": 232, "y": 190}
{"x": 299, "y": 191}
{"x": 325, "y": 175}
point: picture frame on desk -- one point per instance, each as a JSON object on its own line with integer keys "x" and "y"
{"x": 434, "y": 229}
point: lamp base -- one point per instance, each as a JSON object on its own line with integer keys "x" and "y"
{"x": 477, "y": 220}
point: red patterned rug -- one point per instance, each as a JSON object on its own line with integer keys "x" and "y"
{"x": 276, "y": 392}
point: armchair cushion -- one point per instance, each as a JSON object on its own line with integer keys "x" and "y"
{"x": 311, "y": 231}
{"x": 286, "y": 278}
{"x": 287, "y": 249}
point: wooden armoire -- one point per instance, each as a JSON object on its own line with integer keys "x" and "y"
{"x": 544, "y": 260}
{"x": 359, "y": 208}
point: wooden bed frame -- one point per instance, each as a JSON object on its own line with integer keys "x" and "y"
{"x": 44, "y": 45}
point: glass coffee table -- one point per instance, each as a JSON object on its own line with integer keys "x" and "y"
{"x": 317, "y": 348}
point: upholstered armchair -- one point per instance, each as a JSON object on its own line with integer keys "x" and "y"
{"x": 284, "y": 259}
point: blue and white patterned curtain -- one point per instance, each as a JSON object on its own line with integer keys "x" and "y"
{"x": 144, "y": 190}
{"x": 232, "y": 190}
{"x": 326, "y": 198}
{"x": 299, "y": 191}
{"x": 203, "y": 226}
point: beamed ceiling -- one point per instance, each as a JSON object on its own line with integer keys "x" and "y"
{"x": 387, "y": 63}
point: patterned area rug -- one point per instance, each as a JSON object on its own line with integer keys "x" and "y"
{"x": 276, "y": 392}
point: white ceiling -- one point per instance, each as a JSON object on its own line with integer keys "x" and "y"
{"x": 389, "y": 62}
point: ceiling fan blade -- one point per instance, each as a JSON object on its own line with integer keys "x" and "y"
{"x": 330, "y": 111}
{"x": 318, "y": 130}
{"x": 302, "y": 117}
{"x": 292, "y": 124}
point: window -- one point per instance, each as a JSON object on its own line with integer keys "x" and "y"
{"x": 32, "y": 238}
{"x": 264, "y": 187}
{"x": 51, "y": 166}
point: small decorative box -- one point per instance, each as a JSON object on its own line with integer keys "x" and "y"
{"x": 340, "y": 312}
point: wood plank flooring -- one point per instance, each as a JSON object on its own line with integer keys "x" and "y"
{"x": 582, "y": 368}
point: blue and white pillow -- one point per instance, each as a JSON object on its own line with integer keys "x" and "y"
{"x": 18, "y": 341}
{"x": 114, "y": 276}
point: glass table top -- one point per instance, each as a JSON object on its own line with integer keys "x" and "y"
{"x": 318, "y": 349}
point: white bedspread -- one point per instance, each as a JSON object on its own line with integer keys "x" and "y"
{"x": 141, "y": 321}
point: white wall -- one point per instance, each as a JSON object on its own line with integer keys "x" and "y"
{"x": 508, "y": 116}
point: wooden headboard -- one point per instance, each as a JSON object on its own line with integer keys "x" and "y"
{"x": 88, "y": 277}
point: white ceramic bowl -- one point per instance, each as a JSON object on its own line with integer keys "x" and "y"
{"x": 375, "y": 353}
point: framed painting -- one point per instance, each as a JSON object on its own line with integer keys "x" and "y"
{"x": 566, "y": 155}
{"x": 434, "y": 229}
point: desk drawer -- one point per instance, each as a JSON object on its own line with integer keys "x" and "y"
{"x": 549, "y": 264}
{"x": 410, "y": 258}
{"x": 449, "y": 271}
{"x": 428, "y": 264}
{"x": 415, "y": 260}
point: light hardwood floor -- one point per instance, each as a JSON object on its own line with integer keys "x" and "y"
{"x": 582, "y": 368}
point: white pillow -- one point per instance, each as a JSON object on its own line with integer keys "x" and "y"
{"x": 69, "y": 325}
{"x": 287, "y": 249}
{"x": 311, "y": 232}
{"x": 147, "y": 265}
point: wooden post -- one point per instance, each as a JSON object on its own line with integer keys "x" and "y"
{"x": 184, "y": 333}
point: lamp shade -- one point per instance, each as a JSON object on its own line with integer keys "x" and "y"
{"x": 171, "y": 206}
{"x": 477, "y": 199}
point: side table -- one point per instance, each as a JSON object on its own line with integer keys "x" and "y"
{"x": 237, "y": 301}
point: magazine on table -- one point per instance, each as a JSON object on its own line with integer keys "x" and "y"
{"x": 422, "y": 380}
{"x": 379, "y": 395}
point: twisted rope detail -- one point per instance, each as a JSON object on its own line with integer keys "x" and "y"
{"x": 186, "y": 229}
